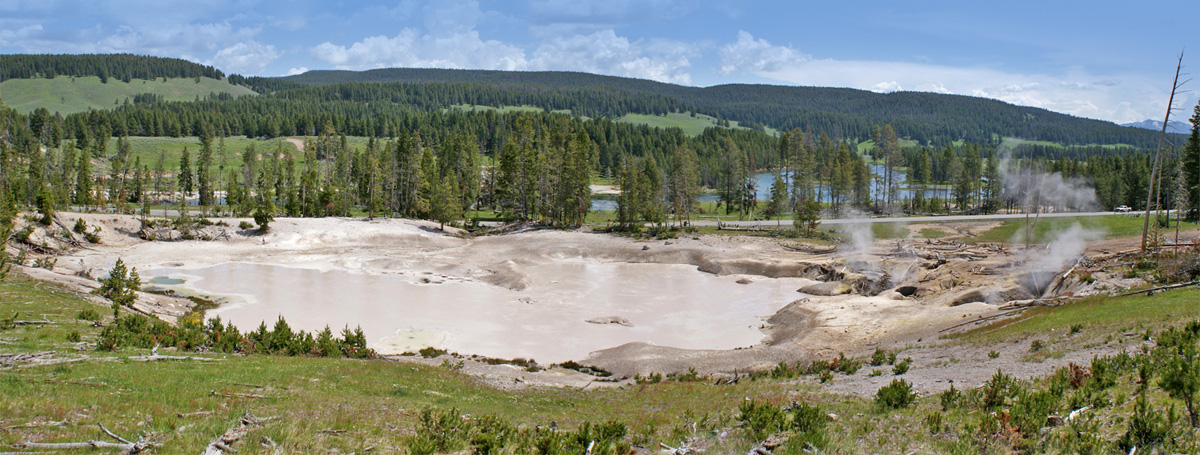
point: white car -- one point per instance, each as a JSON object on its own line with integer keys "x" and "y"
{"x": 1122, "y": 208}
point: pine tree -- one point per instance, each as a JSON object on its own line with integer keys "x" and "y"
{"x": 445, "y": 201}
{"x": 204, "y": 183}
{"x": 83, "y": 181}
{"x": 185, "y": 175}
{"x": 120, "y": 286}
{"x": 778, "y": 201}
{"x": 684, "y": 183}
{"x": 1191, "y": 164}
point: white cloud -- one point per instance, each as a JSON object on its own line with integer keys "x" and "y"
{"x": 749, "y": 55}
{"x": 1120, "y": 98}
{"x": 886, "y": 87}
{"x": 246, "y": 58}
{"x": 295, "y": 71}
{"x": 602, "y": 52}
{"x": 410, "y": 48}
{"x": 606, "y": 53}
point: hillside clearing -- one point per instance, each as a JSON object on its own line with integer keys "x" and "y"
{"x": 69, "y": 95}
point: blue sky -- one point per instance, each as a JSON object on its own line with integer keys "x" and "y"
{"x": 1096, "y": 59}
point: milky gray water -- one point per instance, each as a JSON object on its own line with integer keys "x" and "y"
{"x": 668, "y": 305}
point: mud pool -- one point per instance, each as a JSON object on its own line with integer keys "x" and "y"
{"x": 664, "y": 304}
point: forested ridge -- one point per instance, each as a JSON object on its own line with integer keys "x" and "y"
{"x": 121, "y": 66}
{"x": 926, "y": 117}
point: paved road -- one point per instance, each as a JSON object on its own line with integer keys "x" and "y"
{"x": 787, "y": 223}
{"x": 907, "y": 219}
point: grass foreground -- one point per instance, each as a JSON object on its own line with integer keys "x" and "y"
{"x": 379, "y": 406}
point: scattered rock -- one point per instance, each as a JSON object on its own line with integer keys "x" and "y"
{"x": 826, "y": 289}
{"x": 745, "y": 281}
{"x": 611, "y": 320}
{"x": 645, "y": 247}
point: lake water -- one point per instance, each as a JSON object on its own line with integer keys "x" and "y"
{"x": 668, "y": 305}
{"x": 763, "y": 181}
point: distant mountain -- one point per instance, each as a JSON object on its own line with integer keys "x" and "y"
{"x": 1173, "y": 126}
{"x": 928, "y": 118}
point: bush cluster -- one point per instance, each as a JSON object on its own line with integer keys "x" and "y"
{"x": 447, "y": 431}
{"x": 804, "y": 423}
{"x": 193, "y": 334}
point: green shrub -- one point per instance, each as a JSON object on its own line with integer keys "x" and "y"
{"x": 244, "y": 225}
{"x": 998, "y": 390}
{"x": 846, "y": 365}
{"x": 94, "y": 236}
{"x": 1180, "y": 366}
{"x": 490, "y": 434}
{"x": 879, "y": 357}
{"x": 900, "y": 367}
{"x": 88, "y": 314}
{"x": 1036, "y": 345}
{"x": 74, "y": 336}
{"x": 438, "y": 432}
{"x": 993, "y": 354}
{"x": 950, "y": 398}
{"x": 1147, "y": 426}
{"x": 761, "y": 419}
{"x": 431, "y": 352}
{"x": 1030, "y": 410}
{"x": 809, "y": 424}
{"x": 933, "y": 422}
{"x": 896, "y": 395}
{"x": 80, "y": 226}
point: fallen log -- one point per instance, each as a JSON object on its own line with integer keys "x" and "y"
{"x": 237, "y": 395}
{"x": 124, "y": 445}
{"x": 765, "y": 447}
{"x": 1160, "y": 288}
{"x": 221, "y": 445}
{"x": 157, "y": 357}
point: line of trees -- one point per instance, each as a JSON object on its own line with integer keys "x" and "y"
{"x": 125, "y": 67}
{"x": 432, "y": 166}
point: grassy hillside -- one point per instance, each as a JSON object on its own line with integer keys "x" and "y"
{"x": 692, "y": 125}
{"x": 149, "y": 148}
{"x": 66, "y": 95}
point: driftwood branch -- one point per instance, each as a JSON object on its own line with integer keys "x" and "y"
{"x": 111, "y": 434}
{"x": 765, "y": 447}
{"x": 124, "y": 445}
{"x": 236, "y": 395}
{"x": 193, "y": 414}
{"x": 156, "y": 357}
{"x": 221, "y": 445}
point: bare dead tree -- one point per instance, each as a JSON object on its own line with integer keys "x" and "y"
{"x": 1152, "y": 196}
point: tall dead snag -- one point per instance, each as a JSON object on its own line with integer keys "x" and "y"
{"x": 1152, "y": 196}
